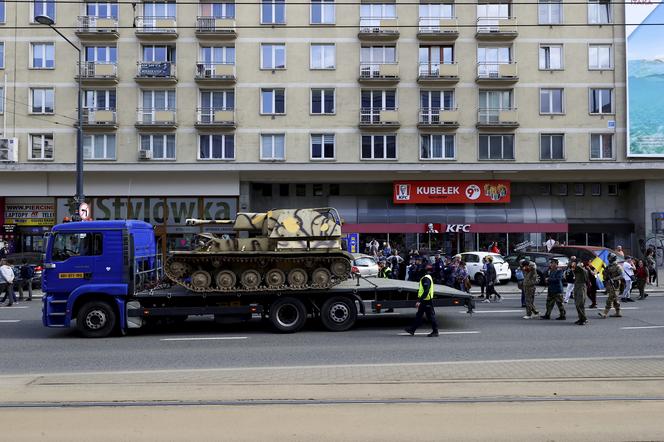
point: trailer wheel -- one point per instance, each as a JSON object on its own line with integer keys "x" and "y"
{"x": 338, "y": 313}
{"x": 96, "y": 319}
{"x": 288, "y": 315}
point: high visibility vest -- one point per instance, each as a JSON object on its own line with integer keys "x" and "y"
{"x": 420, "y": 292}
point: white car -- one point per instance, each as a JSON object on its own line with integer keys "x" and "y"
{"x": 366, "y": 264}
{"x": 474, "y": 266}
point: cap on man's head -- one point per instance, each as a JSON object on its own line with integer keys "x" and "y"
{"x": 553, "y": 261}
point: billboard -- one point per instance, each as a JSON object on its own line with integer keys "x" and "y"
{"x": 451, "y": 192}
{"x": 644, "y": 33}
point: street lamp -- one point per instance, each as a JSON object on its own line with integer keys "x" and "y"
{"x": 80, "y": 196}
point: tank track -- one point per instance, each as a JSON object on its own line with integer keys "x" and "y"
{"x": 260, "y": 263}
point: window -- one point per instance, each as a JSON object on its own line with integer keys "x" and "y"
{"x": 42, "y": 100}
{"x": 317, "y": 189}
{"x": 2, "y": 100}
{"x": 216, "y": 147}
{"x": 41, "y": 146}
{"x": 550, "y": 12}
{"x": 492, "y": 11}
{"x": 489, "y": 59}
{"x": 273, "y": 147}
{"x": 378, "y": 10}
{"x": 217, "y": 9}
{"x": 612, "y": 189}
{"x": 99, "y": 147}
{"x": 156, "y": 100}
{"x": 601, "y": 101}
{"x": 596, "y": 189}
{"x": 322, "y": 101}
{"x": 2, "y": 11}
{"x": 431, "y": 57}
{"x": 378, "y": 54}
{"x": 218, "y": 54}
{"x": 379, "y": 147}
{"x": 273, "y": 56}
{"x": 101, "y": 54}
{"x": 437, "y": 147}
{"x": 599, "y": 12}
{"x": 561, "y": 189}
{"x": 552, "y": 146}
{"x": 601, "y": 146}
{"x": 2, "y": 55}
{"x": 266, "y": 190}
{"x": 322, "y": 12}
{"x": 99, "y": 99}
{"x": 545, "y": 189}
{"x": 43, "y": 56}
{"x": 161, "y": 145}
{"x": 154, "y": 10}
{"x": 551, "y": 101}
{"x": 323, "y": 56}
{"x": 66, "y": 245}
{"x": 496, "y": 147}
{"x": 153, "y": 53}
{"x": 102, "y": 9}
{"x": 436, "y": 11}
{"x": 42, "y": 7}
{"x": 273, "y": 101}
{"x": 273, "y": 12}
{"x": 579, "y": 189}
{"x": 550, "y": 57}
{"x": 334, "y": 189}
{"x": 300, "y": 189}
{"x": 284, "y": 189}
{"x": 216, "y": 100}
{"x": 322, "y": 146}
{"x": 599, "y": 57}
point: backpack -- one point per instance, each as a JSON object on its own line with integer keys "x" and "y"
{"x": 569, "y": 276}
{"x": 27, "y": 272}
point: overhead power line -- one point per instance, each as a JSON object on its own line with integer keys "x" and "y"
{"x": 288, "y": 3}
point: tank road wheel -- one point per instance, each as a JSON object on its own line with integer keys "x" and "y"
{"x": 340, "y": 268}
{"x": 338, "y": 313}
{"x": 297, "y": 278}
{"x": 201, "y": 279}
{"x": 321, "y": 277}
{"x": 288, "y": 315}
{"x": 275, "y": 278}
{"x": 250, "y": 279}
{"x": 178, "y": 268}
{"x": 225, "y": 280}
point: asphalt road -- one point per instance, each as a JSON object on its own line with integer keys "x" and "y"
{"x": 494, "y": 332}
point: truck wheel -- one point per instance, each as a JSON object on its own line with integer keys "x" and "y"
{"x": 288, "y": 315}
{"x": 96, "y": 319}
{"x": 338, "y": 313}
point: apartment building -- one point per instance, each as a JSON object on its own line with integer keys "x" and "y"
{"x": 205, "y": 109}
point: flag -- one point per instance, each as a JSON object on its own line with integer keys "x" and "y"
{"x": 599, "y": 263}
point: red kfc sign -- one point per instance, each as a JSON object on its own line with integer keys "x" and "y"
{"x": 451, "y": 192}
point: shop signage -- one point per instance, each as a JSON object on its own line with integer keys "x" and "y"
{"x": 38, "y": 214}
{"x": 523, "y": 245}
{"x": 352, "y": 242}
{"x": 451, "y": 192}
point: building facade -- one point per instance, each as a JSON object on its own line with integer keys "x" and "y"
{"x": 263, "y": 104}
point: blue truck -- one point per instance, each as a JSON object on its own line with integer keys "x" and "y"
{"x": 106, "y": 278}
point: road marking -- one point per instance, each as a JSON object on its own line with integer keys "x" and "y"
{"x": 215, "y": 338}
{"x": 640, "y": 328}
{"x": 494, "y": 311}
{"x": 474, "y": 332}
{"x": 9, "y": 321}
{"x": 14, "y": 307}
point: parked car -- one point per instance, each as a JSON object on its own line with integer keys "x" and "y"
{"x": 35, "y": 260}
{"x": 541, "y": 260}
{"x": 365, "y": 264}
{"x": 585, "y": 252}
{"x": 474, "y": 266}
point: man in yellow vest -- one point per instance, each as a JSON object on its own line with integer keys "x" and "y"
{"x": 425, "y": 304}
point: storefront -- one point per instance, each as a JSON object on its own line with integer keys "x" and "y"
{"x": 24, "y": 222}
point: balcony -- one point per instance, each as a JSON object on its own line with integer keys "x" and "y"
{"x": 438, "y": 73}
{"x": 497, "y": 72}
{"x": 216, "y": 28}
{"x": 379, "y": 73}
{"x": 502, "y": 118}
{"x": 379, "y": 118}
{"x": 151, "y": 118}
{"x": 215, "y": 118}
{"x": 214, "y": 73}
{"x": 93, "y": 72}
{"x": 161, "y": 72}
{"x": 496, "y": 28}
{"x": 156, "y": 27}
{"x": 96, "y": 28}
{"x": 99, "y": 118}
{"x": 438, "y": 118}
{"x": 438, "y": 29}
{"x": 378, "y": 28}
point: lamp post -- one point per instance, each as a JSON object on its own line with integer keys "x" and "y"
{"x": 80, "y": 196}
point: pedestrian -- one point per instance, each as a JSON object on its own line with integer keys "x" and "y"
{"x": 491, "y": 279}
{"x": 569, "y": 279}
{"x": 651, "y": 263}
{"x": 384, "y": 271}
{"x": 620, "y": 252}
{"x": 460, "y": 276}
{"x": 495, "y": 249}
{"x": 395, "y": 262}
{"x": 7, "y": 282}
{"x": 387, "y": 250}
{"x": 642, "y": 277}
{"x": 591, "y": 284}
{"x": 518, "y": 273}
{"x": 424, "y": 304}
{"x": 26, "y": 274}
{"x": 373, "y": 248}
{"x": 554, "y": 282}
{"x": 482, "y": 279}
{"x": 550, "y": 244}
{"x": 628, "y": 270}
{"x": 612, "y": 276}
{"x": 529, "y": 286}
{"x": 580, "y": 289}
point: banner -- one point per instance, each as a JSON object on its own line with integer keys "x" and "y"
{"x": 155, "y": 69}
{"x": 644, "y": 33}
{"x": 451, "y": 192}
{"x": 42, "y": 214}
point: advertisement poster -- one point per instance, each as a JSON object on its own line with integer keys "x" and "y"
{"x": 451, "y": 192}
{"x": 644, "y": 33}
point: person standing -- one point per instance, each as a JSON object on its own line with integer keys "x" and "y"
{"x": 628, "y": 269}
{"x": 483, "y": 280}
{"x": 494, "y": 248}
{"x": 7, "y": 282}
{"x": 26, "y": 273}
{"x": 395, "y": 262}
{"x": 491, "y": 278}
{"x": 424, "y": 304}
{"x": 619, "y": 251}
{"x": 591, "y": 284}
{"x": 519, "y": 283}
{"x": 642, "y": 277}
{"x": 554, "y": 282}
{"x": 612, "y": 276}
{"x": 651, "y": 263}
{"x": 580, "y": 288}
{"x": 529, "y": 286}
{"x": 569, "y": 279}
{"x": 384, "y": 271}
{"x": 550, "y": 244}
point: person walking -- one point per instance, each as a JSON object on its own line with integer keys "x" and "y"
{"x": 529, "y": 286}
{"x": 7, "y": 282}
{"x": 483, "y": 280}
{"x": 424, "y": 304}
{"x": 591, "y": 284}
{"x": 26, "y": 274}
{"x": 518, "y": 273}
{"x": 491, "y": 278}
{"x": 580, "y": 289}
{"x": 628, "y": 269}
{"x": 642, "y": 277}
{"x": 554, "y": 282}
{"x": 569, "y": 279}
{"x": 651, "y": 263}
{"x": 612, "y": 276}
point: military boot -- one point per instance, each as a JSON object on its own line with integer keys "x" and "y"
{"x": 617, "y": 314}
{"x": 603, "y": 314}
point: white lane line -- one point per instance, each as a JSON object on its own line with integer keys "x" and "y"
{"x": 215, "y": 338}
{"x": 14, "y": 307}
{"x": 474, "y": 332}
{"x": 521, "y": 310}
{"x": 9, "y": 321}
{"x": 641, "y": 328}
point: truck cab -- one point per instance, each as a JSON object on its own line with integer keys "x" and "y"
{"x": 90, "y": 269}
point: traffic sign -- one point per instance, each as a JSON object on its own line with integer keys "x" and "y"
{"x": 84, "y": 211}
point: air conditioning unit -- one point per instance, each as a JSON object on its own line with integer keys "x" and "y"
{"x": 144, "y": 154}
{"x": 8, "y": 150}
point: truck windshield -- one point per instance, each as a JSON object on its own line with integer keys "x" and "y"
{"x": 66, "y": 245}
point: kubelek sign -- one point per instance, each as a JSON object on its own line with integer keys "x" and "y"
{"x": 451, "y": 192}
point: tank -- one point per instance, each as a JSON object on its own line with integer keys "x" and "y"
{"x": 282, "y": 249}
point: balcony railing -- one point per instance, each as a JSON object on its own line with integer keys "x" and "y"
{"x": 379, "y": 116}
{"x": 215, "y": 116}
{"x": 156, "y": 69}
{"x": 155, "y": 117}
{"x": 98, "y": 70}
{"x": 379, "y": 71}
{"x": 505, "y": 116}
{"x": 487, "y": 26}
{"x": 99, "y": 117}
{"x": 435, "y": 71}
{"x": 215, "y": 25}
{"x": 91, "y": 23}
{"x": 156, "y": 24}
{"x": 437, "y": 116}
{"x": 438, "y": 26}
{"x": 497, "y": 70}
{"x": 214, "y": 71}
{"x": 379, "y": 25}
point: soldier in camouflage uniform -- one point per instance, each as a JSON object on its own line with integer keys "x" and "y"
{"x": 612, "y": 276}
{"x": 529, "y": 283}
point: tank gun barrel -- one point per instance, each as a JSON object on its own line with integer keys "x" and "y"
{"x": 201, "y": 222}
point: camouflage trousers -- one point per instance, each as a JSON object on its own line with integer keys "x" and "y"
{"x": 530, "y": 301}
{"x": 611, "y": 299}
{"x": 580, "y": 301}
{"x": 555, "y": 299}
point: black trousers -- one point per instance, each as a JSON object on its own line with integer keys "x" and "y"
{"x": 426, "y": 307}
